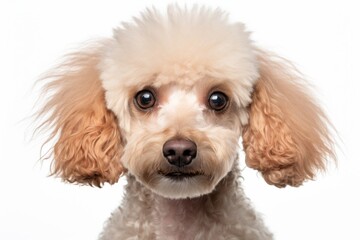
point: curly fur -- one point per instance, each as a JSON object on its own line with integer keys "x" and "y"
{"x": 88, "y": 145}
{"x": 287, "y": 138}
{"x": 225, "y": 214}
{"x": 183, "y": 57}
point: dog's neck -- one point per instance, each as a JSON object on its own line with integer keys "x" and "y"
{"x": 184, "y": 217}
{"x": 180, "y": 217}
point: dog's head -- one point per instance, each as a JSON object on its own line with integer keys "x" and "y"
{"x": 167, "y": 99}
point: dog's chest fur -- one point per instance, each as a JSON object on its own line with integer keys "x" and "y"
{"x": 223, "y": 214}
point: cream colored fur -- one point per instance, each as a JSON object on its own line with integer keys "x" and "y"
{"x": 183, "y": 57}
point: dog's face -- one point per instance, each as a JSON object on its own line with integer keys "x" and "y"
{"x": 181, "y": 139}
{"x": 167, "y": 99}
{"x": 180, "y": 94}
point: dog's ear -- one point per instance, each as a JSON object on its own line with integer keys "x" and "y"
{"x": 89, "y": 145}
{"x": 287, "y": 138}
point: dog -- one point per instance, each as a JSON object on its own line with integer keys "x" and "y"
{"x": 164, "y": 102}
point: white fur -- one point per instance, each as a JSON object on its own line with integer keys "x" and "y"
{"x": 181, "y": 102}
{"x": 183, "y": 45}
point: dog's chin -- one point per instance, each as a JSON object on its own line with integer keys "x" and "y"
{"x": 178, "y": 185}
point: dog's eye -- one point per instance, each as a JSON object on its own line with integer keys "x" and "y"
{"x": 145, "y": 99}
{"x": 218, "y": 101}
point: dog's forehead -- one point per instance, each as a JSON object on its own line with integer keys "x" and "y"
{"x": 178, "y": 75}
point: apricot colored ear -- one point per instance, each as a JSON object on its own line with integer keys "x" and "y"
{"x": 287, "y": 138}
{"x": 89, "y": 144}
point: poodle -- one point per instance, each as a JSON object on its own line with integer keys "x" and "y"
{"x": 165, "y": 103}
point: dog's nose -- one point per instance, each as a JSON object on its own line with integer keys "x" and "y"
{"x": 179, "y": 152}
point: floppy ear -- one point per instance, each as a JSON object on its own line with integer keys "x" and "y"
{"x": 287, "y": 138}
{"x": 89, "y": 145}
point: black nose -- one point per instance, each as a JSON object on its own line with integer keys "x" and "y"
{"x": 179, "y": 152}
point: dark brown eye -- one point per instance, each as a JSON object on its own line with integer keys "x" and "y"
{"x": 145, "y": 99}
{"x": 218, "y": 101}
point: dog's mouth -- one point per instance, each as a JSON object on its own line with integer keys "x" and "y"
{"x": 179, "y": 175}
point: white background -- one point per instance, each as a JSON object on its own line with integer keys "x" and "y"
{"x": 321, "y": 37}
